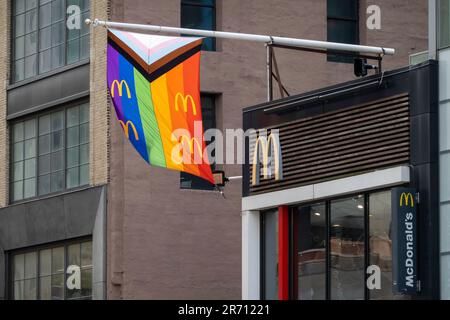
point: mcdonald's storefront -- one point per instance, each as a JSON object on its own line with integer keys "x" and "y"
{"x": 348, "y": 209}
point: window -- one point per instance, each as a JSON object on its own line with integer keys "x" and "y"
{"x": 189, "y": 181}
{"x": 200, "y": 14}
{"x": 53, "y": 273}
{"x": 41, "y": 40}
{"x": 444, "y": 24}
{"x": 342, "y": 25}
{"x": 309, "y": 242}
{"x": 270, "y": 254}
{"x": 50, "y": 152}
{"x": 331, "y": 245}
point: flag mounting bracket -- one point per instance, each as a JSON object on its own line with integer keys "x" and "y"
{"x": 271, "y": 42}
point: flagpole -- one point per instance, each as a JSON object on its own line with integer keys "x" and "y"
{"x": 273, "y": 40}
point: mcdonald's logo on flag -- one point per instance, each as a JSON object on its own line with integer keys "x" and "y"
{"x": 154, "y": 82}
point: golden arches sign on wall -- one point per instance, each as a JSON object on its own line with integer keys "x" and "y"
{"x": 185, "y": 102}
{"x": 268, "y": 145}
{"x": 120, "y": 87}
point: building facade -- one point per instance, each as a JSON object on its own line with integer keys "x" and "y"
{"x": 76, "y": 198}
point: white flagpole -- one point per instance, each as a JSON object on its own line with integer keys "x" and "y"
{"x": 299, "y": 43}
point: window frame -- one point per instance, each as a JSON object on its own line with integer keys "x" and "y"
{"x": 39, "y": 75}
{"x": 343, "y": 58}
{"x": 188, "y": 3}
{"x": 36, "y": 116}
{"x": 63, "y": 243}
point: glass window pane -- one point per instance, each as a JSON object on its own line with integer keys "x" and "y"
{"x": 84, "y": 175}
{"x": 18, "y": 171}
{"x": 74, "y": 255}
{"x": 31, "y": 21}
{"x": 19, "y": 48}
{"x": 31, "y": 4}
{"x": 58, "y": 260}
{"x": 73, "y": 51}
{"x": 57, "y": 121}
{"x": 18, "y": 290}
{"x": 380, "y": 219}
{"x": 86, "y": 254}
{"x": 30, "y": 66}
{"x": 44, "y": 144}
{"x": 18, "y": 132}
{"x": 44, "y": 124}
{"x": 19, "y": 6}
{"x": 30, "y": 148}
{"x": 45, "y": 260}
{"x": 19, "y": 70}
{"x": 19, "y": 267}
{"x": 45, "y": 38}
{"x": 17, "y": 191}
{"x": 44, "y": 184}
{"x": 45, "y": 61}
{"x": 271, "y": 254}
{"x": 342, "y": 31}
{"x": 57, "y": 160}
{"x": 84, "y": 47}
{"x": 18, "y": 151}
{"x": 86, "y": 282}
{"x": 58, "y": 55}
{"x": 57, "y": 10}
{"x": 196, "y": 17}
{"x": 45, "y": 288}
{"x": 347, "y": 249}
{"x": 44, "y": 164}
{"x": 72, "y": 178}
{"x": 29, "y": 290}
{"x": 84, "y": 133}
{"x": 45, "y": 15}
{"x": 84, "y": 113}
{"x": 346, "y": 9}
{"x": 30, "y": 168}
{"x": 57, "y": 181}
{"x": 58, "y": 286}
{"x": 84, "y": 5}
{"x": 72, "y": 157}
{"x": 84, "y": 154}
{"x": 309, "y": 237}
{"x": 30, "y": 265}
{"x": 58, "y": 33}
{"x": 57, "y": 140}
{"x": 73, "y": 136}
{"x": 84, "y": 27}
{"x": 31, "y": 43}
{"x": 72, "y": 116}
{"x": 30, "y": 188}
{"x": 30, "y": 129}
{"x": 19, "y": 25}
{"x": 73, "y": 34}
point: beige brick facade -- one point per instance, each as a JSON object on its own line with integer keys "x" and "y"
{"x": 4, "y": 76}
{"x": 99, "y": 102}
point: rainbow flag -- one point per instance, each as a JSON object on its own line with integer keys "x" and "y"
{"x": 154, "y": 83}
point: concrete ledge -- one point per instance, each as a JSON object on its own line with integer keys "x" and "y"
{"x": 359, "y": 183}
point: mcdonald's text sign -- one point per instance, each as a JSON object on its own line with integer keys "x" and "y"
{"x": 404, "y": 240}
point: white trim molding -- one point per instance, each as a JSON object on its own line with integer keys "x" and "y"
{"x": 250, "y": 255}
{"x": 358, "y": 183}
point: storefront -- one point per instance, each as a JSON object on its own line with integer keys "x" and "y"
{"x": 319, "y": 220}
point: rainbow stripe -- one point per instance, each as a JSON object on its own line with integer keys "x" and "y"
{"x": 154, "y": 83}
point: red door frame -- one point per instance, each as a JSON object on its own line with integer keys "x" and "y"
{"x": 283, "y": 252}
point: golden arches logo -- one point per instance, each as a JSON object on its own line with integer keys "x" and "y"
{"x": 191, "y": 143}
{"x": 120, "y": 86}
{"x": 185, "y": 100}
{"x": 126, "y": 127}
{"x": 272, "y": 143}
{"x": 406, "y": 198}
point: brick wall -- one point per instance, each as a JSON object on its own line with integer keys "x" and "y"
{"x": 99, "y": 105}
{"x": 4, "y": 76}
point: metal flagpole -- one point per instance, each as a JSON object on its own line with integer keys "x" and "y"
{"x": 293, "y": 42}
